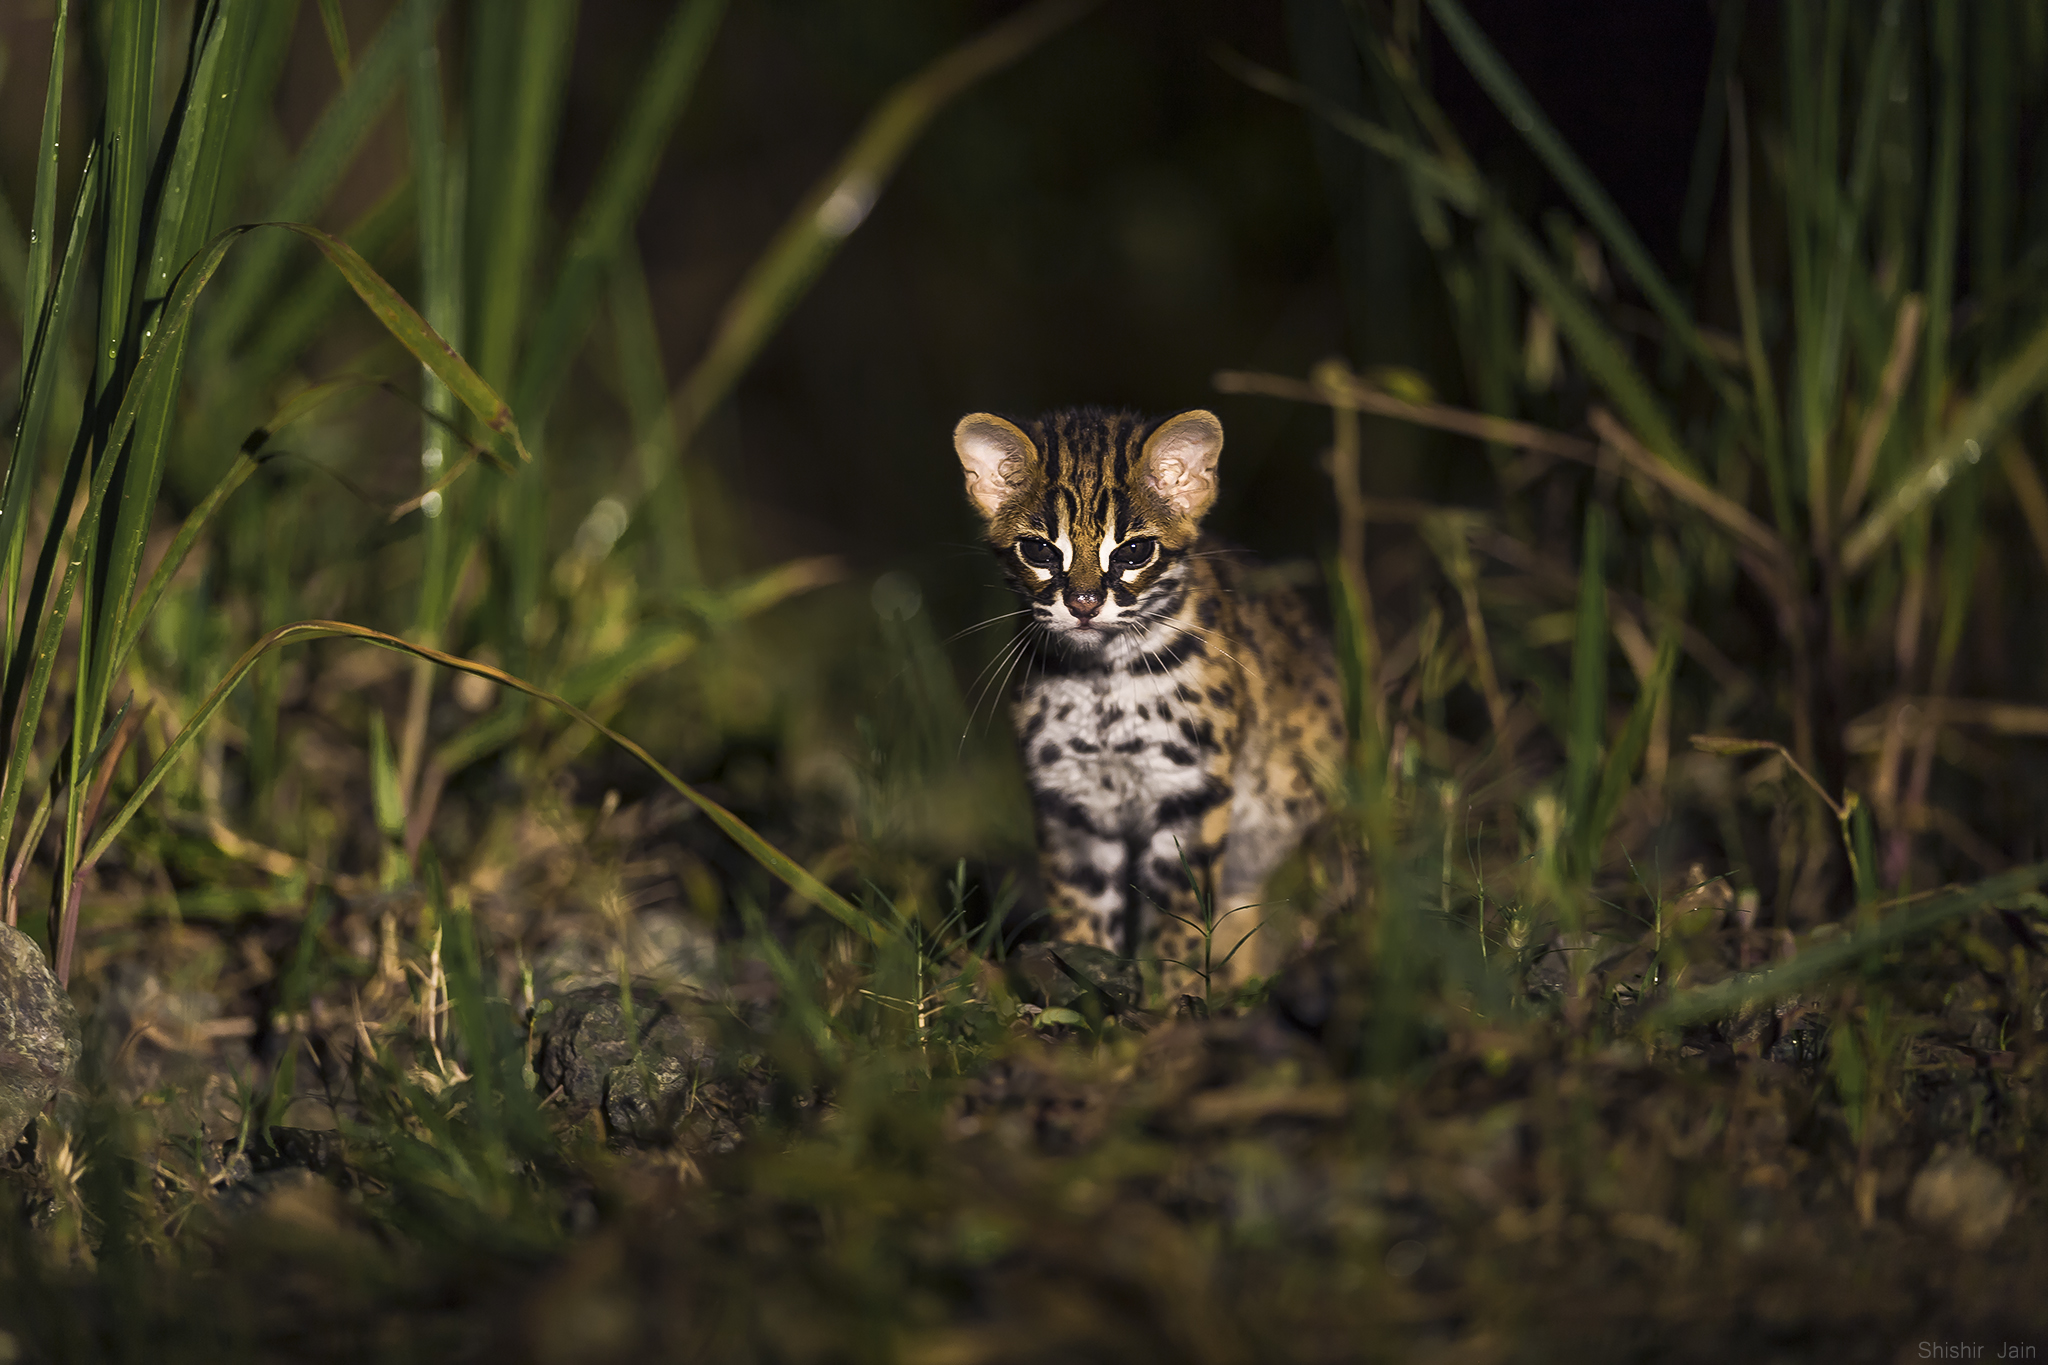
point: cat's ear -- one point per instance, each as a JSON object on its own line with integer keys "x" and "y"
{"x": 995, "y": 455}
{"x": 1180, "y": 461}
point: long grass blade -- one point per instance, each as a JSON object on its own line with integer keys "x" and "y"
{"x": 410, "y": 330}
{"x": 1454, "y": 184}
{"x": 1706, "y": 156}
{"x": 42, "y": 226}
{"x": 1943, "y": 210}
{"x": 298, "y": 317}
{"x": 606, "y": 218}
{"x": 1586, "y": 723}
{"x": 196, "y": 137}
{"x": 1956, "y": 451}
{"x": 1823, "y": 368}
{"x": 337, "y": 36}
{"x": 314, "y": 172}
{"x": 781, "y": 865}
{"x": 1606, "y": 361}
{"x": 1763, "y": 388}
{"x": 506, "y": 202}
{"x": 202, "y": 516}
{"x": 844, "y": 198}
{"x": 506, "y": 209}
{"x": 1823, "y": 960}
{"x": 398, "y": 317}
{"x": 39, "y": 387}
{"x": 1628, "y": 751}
{"x": 131, "y": 88}
{"x": 1514, "y": 101}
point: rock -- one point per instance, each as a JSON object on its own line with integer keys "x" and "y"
{"x": 1962, "y": 1195}
{"x": 1108, "y": 982}
{"x": 39, "y": 1038}
{"x": 647, "y": 1077}
{"x": 1306, "y": 992}
{"x": 319, "y": 1150}
{"x": 280, "y": 1159}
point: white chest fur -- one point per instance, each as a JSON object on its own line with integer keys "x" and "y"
{"x": 1115, "y": 743}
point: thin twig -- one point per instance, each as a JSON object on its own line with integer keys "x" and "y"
{"x": 1367, "y": 399}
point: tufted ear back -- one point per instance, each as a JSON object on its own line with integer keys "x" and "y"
{"x": 995, "y": 455}
{"x": 1180, "y": 461}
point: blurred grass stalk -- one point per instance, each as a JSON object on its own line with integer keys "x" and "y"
{"x": 1857, "y": 407}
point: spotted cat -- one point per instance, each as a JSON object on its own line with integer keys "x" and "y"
{"x": 1173, "y": 718}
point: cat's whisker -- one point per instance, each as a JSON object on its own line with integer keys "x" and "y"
{"x": 1007, "y": 658}
{"x": 989, "y": 669}
{"x": 965, "y": 631}
{"x": 1024, "y": 656}
{"x": 1210, "y": 635}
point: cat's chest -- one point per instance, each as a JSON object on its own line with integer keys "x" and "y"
{"x": 1116, "y": 741}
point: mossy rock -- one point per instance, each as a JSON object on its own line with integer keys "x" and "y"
{"x": 39, "y": 1036}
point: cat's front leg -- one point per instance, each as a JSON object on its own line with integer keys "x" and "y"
{"x": 1186, "y": 929}
{"x": 1085, "y": 865}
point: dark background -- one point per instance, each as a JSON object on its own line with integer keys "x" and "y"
{"x": 1111, "y": 220}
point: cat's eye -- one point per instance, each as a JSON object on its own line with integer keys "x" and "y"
{"x": 1132, "y": 553}
{"x": 1039, "y": 554}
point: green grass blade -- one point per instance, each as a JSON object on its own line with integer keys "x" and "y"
{"x": 781, "y": 865}
{"x": 842, "y": 200}
{"x": 337, "y": 35}
{"x": 439, "y": 211}
{"x": 1358, "y": 661}
{"x": 253, "y": 132}
{"x": 385, "y": 303}
{"x": 1943, "y": 210}
{"x": 1822, "y": 960}
{"x": 130, "y": 37}
{"x": 520, "y": 94}
{"x": 1514, "y": 101}
{"x": 26, "y": 701}
{"x": 1455, "y": 185}
{"x": 1821, "y": 379}
{"x": 39, "y": 385}
{"x": 198, "y": 130}
{"x": 606, "y": 219}
{"x": 1954, "y": 451}
{"x": 1763, "y": 389}
{"x": 506, "y": 209}
{"x": 315, "y": 171}
{"x": 1586, "y": 731}
{"x": 297, "y": 319}
{"x": 643, "y": 380}
{"x": 131, "y": 90}
{"x": 42, "y": 226}
{"x": 1602, "y": 354}
{"x": 197, "y": 135}
{"x": 1706, "y": 152}
{"x": 202, "y": 516}
{"x": 1628, "y": 751}
{"x": 398, "y": 317}
{"x": 410, "y": 330}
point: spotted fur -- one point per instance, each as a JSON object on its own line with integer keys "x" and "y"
{"x": 1172, "y": 718}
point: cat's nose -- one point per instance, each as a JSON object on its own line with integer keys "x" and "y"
{"x": 1085, "y": 602}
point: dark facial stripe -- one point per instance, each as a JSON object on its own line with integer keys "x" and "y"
{"x": 1088, "y": 460}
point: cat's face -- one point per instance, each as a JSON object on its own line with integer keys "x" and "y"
{"x": 1091, "y": 512}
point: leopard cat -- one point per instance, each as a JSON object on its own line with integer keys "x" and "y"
{"x": 1175, "y": 718}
